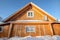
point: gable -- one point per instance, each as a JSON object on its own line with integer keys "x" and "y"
{"x": 38, "y": 14}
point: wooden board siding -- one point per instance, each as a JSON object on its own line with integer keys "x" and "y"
{"x": 38, "y": 15}
{"x": 5, "y": 31}
{"x": 56, "y": 28}
{"x": 20, "y": 30}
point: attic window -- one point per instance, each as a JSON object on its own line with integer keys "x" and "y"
{"x": 45, "y": 18}
{"x": 1, "y": 28}
{"x": 30, "y": 14}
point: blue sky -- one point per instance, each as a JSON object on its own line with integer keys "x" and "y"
{"x": 8, "y": 7}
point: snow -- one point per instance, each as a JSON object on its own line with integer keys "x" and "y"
{"x": 56, "y": 37}
{"x": 3, "y": 38}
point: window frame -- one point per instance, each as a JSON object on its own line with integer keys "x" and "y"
{"x": 31, "y": 12}
{"x": 29, "y": 27}
{"x": 1, "y": 29}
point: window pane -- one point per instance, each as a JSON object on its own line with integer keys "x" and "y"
{"x": 30, "y": 29}
{"x": 29, "y": 14}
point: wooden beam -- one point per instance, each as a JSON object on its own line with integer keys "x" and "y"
{"x": 53, "y": 28}
{"x": 9, "y": 30}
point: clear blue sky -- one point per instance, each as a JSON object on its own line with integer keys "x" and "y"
{"x": 8, "y": 7}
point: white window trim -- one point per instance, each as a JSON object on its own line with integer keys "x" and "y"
{"x": 29, "y": 26}
{"x": 2, "y": 28}
{"x": 30, "y": 16}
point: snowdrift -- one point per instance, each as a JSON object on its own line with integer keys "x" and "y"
{"x": 56, "y": 37}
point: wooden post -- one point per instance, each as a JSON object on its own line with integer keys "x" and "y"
{"x": 51, "y": 29}
{"x": 9, "y": 30}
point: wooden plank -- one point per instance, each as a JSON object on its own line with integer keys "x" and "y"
{"x": 51, "y": 28}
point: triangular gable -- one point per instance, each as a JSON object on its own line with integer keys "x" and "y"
{"x": 30, "y": 4}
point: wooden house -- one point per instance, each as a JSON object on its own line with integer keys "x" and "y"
{"x": 29, "y": 20}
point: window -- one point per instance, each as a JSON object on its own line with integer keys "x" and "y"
{"x": 45, "y": 18}
{"x": 30, "y": 14}
{"x": 1, "y": 28}
{"x": 30, "y": 29}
